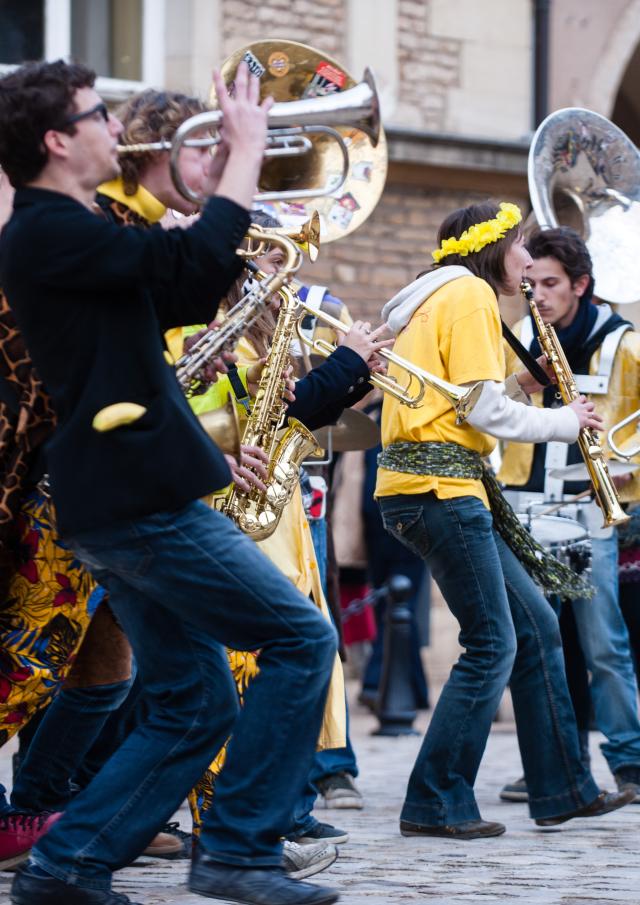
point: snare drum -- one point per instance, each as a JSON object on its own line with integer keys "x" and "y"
{"x": 564, "y": 537}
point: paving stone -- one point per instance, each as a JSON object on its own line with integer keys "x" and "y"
{"x": 584, "y": 862}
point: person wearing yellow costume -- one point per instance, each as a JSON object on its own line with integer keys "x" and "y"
{"x": 290, "y": 547}
{"x": 603, "y": 352}
{"x": 439, "y": 500}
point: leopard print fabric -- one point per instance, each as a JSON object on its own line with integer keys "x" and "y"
{"x": 23, "y": 429}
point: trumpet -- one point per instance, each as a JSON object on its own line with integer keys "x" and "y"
{"x": 290, "y": 125}
{"x": 462, "y": 399}
{"x": 628, "y": 453}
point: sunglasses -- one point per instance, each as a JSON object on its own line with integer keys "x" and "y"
{"x": 100, "y": 108}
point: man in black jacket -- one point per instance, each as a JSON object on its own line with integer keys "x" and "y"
{"x": 92, "y": 301}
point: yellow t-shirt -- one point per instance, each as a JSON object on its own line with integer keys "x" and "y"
{"x": 455, "y": 335}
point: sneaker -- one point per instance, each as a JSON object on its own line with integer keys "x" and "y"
{"x": 171, "y": 843}
{"x": 300, "y": 861}
{"x": 515, "y": 791}
{"x": 19, "y": 833}
{"x": 254, "y": 886}
{"x": 339, "y": 791}
{"x": 628, "y": 778}
{"x": 321, "y": 832}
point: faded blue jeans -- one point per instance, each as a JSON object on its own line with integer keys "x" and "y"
{"x": 509, "y": 634}
{"x": 604, "y": 639}
{"x": 184, "y": 585}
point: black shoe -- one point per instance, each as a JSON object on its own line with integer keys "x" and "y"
{"x": 254, "y": 886}
{"x": 321, "y": 832}
{"x": 628, "y": 778}
{"x": 469, "y": 829}
{"x": 27, "y": 889}
{"x": 515, "y": 791}
{"x": 601, "y": 804}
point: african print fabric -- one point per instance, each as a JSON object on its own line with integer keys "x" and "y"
{"x": 43, "y": 618}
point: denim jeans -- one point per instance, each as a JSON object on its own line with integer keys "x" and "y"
{"x": 509, "y": 633}
{"x": 604, "y": 639}
{"x": 184, "y": 585}
{"x": 70, "y": 726}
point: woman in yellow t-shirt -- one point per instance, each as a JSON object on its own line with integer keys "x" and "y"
{"x": 432, "y": 491}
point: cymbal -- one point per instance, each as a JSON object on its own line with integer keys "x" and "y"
{"x": 354, "y": 430}
{"x": 578, "y": 472}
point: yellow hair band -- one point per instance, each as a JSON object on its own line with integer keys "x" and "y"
{"x": 480, "y": 234}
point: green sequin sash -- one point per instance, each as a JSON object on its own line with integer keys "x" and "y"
{"x": 450, "y": 460}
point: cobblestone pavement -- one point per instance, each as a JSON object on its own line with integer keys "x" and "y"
{"x": 585, "y": 862}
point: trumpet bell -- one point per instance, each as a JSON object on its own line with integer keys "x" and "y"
{"x": 294, "y": 72}
{"x": 584, "y": 172}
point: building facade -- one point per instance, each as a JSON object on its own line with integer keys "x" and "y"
{"x": 457, "y": 81}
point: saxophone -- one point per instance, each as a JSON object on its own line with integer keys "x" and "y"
{"x": 588, "y": 441}
{"x": 257, "y": 513}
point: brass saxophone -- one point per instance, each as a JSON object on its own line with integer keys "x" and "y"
{"x": 604, "y": 489}
{"x": 257, "y": 513}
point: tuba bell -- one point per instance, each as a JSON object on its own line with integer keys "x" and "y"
{"x": 300, "y": 77}
{"x": 584, "y": 172}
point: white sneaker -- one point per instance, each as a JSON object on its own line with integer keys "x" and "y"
{"x": 300, "y": 861}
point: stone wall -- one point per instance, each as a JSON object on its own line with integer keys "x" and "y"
{"x": 390, "y": 248}
{"x": 321, "y": 23}
{"x": 428, "y": 67}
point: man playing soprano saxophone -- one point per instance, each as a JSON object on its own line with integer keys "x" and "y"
{"x": 599, "y": 342}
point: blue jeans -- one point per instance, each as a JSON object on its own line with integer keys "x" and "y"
{"x": 604, "y": 639}
{"x": 509, "y": 633}
{"x": 70, "y": 726}
{"x": 184, "y": 585}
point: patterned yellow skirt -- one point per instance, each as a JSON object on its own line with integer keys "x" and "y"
{"x": 44, "y": 618}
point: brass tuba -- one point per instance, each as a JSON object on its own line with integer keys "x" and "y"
{"x": 305, "y": 79}
{"x": 584, "y": 172}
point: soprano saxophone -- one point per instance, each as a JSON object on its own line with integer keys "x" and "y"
{"x": 256, "y": 512}
{"x": 588, "y": 441}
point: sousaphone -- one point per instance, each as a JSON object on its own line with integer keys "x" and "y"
{"x": 290, "y": 71}
{"x": 584, "y": 172}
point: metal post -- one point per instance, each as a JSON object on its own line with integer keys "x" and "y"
{"x": 396, "y": 703}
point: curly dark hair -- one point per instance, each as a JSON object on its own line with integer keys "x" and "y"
{"x": 488, "y": 263}
{"x": 151, "y": 116}
{"x": 33, "y": 99}
{"x": 565, "y": 245}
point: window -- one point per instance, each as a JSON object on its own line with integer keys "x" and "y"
{"x": 21, "y": 30}
{"x": 122, "y": 40}
{"x": 107, "y": 36}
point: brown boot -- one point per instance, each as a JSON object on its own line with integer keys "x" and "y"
{"x": 172, "y": 844}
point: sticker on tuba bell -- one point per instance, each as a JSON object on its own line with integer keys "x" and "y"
{"x": 278, "y": 64}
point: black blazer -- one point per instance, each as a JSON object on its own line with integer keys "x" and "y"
{"x": 324, "y": 393}
{"x": 92, "y": 300}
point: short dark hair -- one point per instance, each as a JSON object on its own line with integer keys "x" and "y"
{"x": 150, "y": 116}
{"x": 33, "y": 99}
{"x": 566, "y": 246}
{"x": 488, "y": 263}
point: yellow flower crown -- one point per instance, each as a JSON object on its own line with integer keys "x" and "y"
{"x": 480, "y": 234}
